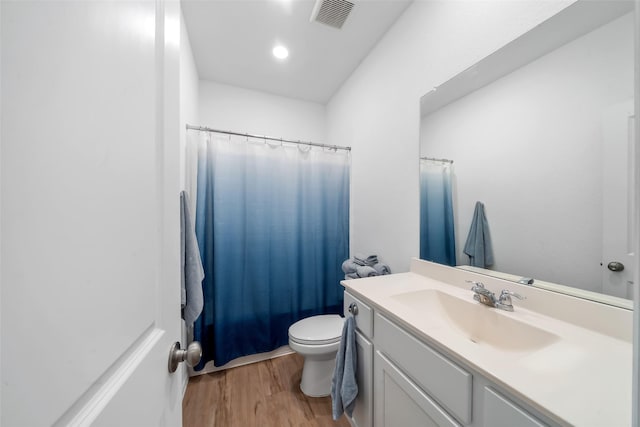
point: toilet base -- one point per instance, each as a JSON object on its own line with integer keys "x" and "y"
{"x": 317, "y": 375}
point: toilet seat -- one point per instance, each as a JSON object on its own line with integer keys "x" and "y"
{"x": 317, "y": 330}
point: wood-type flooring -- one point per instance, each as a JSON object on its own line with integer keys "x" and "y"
{"x": 263, "y": 394}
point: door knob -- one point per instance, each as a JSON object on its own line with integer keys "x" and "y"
{"x": 615, "y": 266}
{"x": 191, "y": 355}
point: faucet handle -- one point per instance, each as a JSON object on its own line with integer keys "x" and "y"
{"x": 508, "y": 294}
{"x": 504, "y": 302}
{"x": 475, "y": 284}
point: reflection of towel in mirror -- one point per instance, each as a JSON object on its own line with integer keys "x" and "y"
{"x": 192, "y": 272}
{"x": 478, "y": 245}
{"x": 344, "y": 387}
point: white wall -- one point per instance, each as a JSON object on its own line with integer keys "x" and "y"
{"x": 189, "y": 87}
{"x": 530, "y": 147}
{"x": 189, "y": 84}
{"x": 376, "y": 110}
{"x": 248, "y": 111}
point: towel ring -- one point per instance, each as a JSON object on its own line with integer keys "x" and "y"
{"x": 353, "y": 308}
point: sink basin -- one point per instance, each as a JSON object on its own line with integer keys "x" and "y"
{"x": 480, "y": 324}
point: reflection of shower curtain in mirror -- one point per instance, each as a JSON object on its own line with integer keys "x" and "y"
{"x": 437, "y": 237}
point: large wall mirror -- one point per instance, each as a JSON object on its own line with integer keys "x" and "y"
{"x": 541, "y": 133}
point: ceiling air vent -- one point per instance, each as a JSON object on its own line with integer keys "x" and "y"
{"x": 331, "y": 12}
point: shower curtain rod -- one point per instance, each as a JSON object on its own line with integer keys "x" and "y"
{"x": 271, "y": 138}
{"x": 436, "y": 160}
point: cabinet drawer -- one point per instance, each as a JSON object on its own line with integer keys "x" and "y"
{"x": 399, "y": 402}
{"x": 500, "y": 412}
{"x": 442, "y": 379}
{"x": 364, "y": 318}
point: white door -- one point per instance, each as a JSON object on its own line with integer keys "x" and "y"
{"x": 89, "y": 213}
{"x": 618, "y": 200}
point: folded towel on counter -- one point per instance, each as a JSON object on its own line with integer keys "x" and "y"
{"x": 358, "y": 261}
{"x": 344, "y": 387}
{"x": 192, "y": 272}
{"x": 382, "y": 268}
{"x": 370, "y": 260}
{"x": 360, "y": 266}
{"x": 348, "y": 266}
{"x": 366, "y": 271}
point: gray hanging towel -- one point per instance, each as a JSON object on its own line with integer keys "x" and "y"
{"x": 478, "y": 245}
{"x": 344, "y": 388}
{"x": 192, "y": 272}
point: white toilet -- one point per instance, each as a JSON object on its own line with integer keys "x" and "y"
{"x": 317, "y": 338}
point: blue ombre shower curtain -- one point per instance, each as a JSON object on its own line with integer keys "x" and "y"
{"x": 437, "y": 236}
{"x": 272, "y": 223}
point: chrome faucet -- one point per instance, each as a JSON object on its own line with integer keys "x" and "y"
{"x": 504, "y": 302}
{"x": 482, "y": 294}
{"x": 488, "y": 298}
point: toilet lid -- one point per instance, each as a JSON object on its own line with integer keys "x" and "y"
{"x": 324, "y": 329}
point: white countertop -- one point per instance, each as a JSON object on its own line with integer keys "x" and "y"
{"x": 581, "y": 379}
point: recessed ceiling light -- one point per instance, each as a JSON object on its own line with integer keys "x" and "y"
{"x": 280, "y": 52}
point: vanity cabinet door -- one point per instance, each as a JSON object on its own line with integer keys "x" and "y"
{"x": 363, "y": 412}
{"x": 400, "y": 402}
{"x": 445, "y": 381}
{"x": 500, "y": 412}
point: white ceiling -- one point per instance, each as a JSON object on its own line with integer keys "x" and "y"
{"x": 232, "y": 42}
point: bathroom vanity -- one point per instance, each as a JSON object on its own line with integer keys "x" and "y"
{"x": 431, "y": 355}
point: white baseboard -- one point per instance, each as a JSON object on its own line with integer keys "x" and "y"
{"x": 241, "y": 361}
